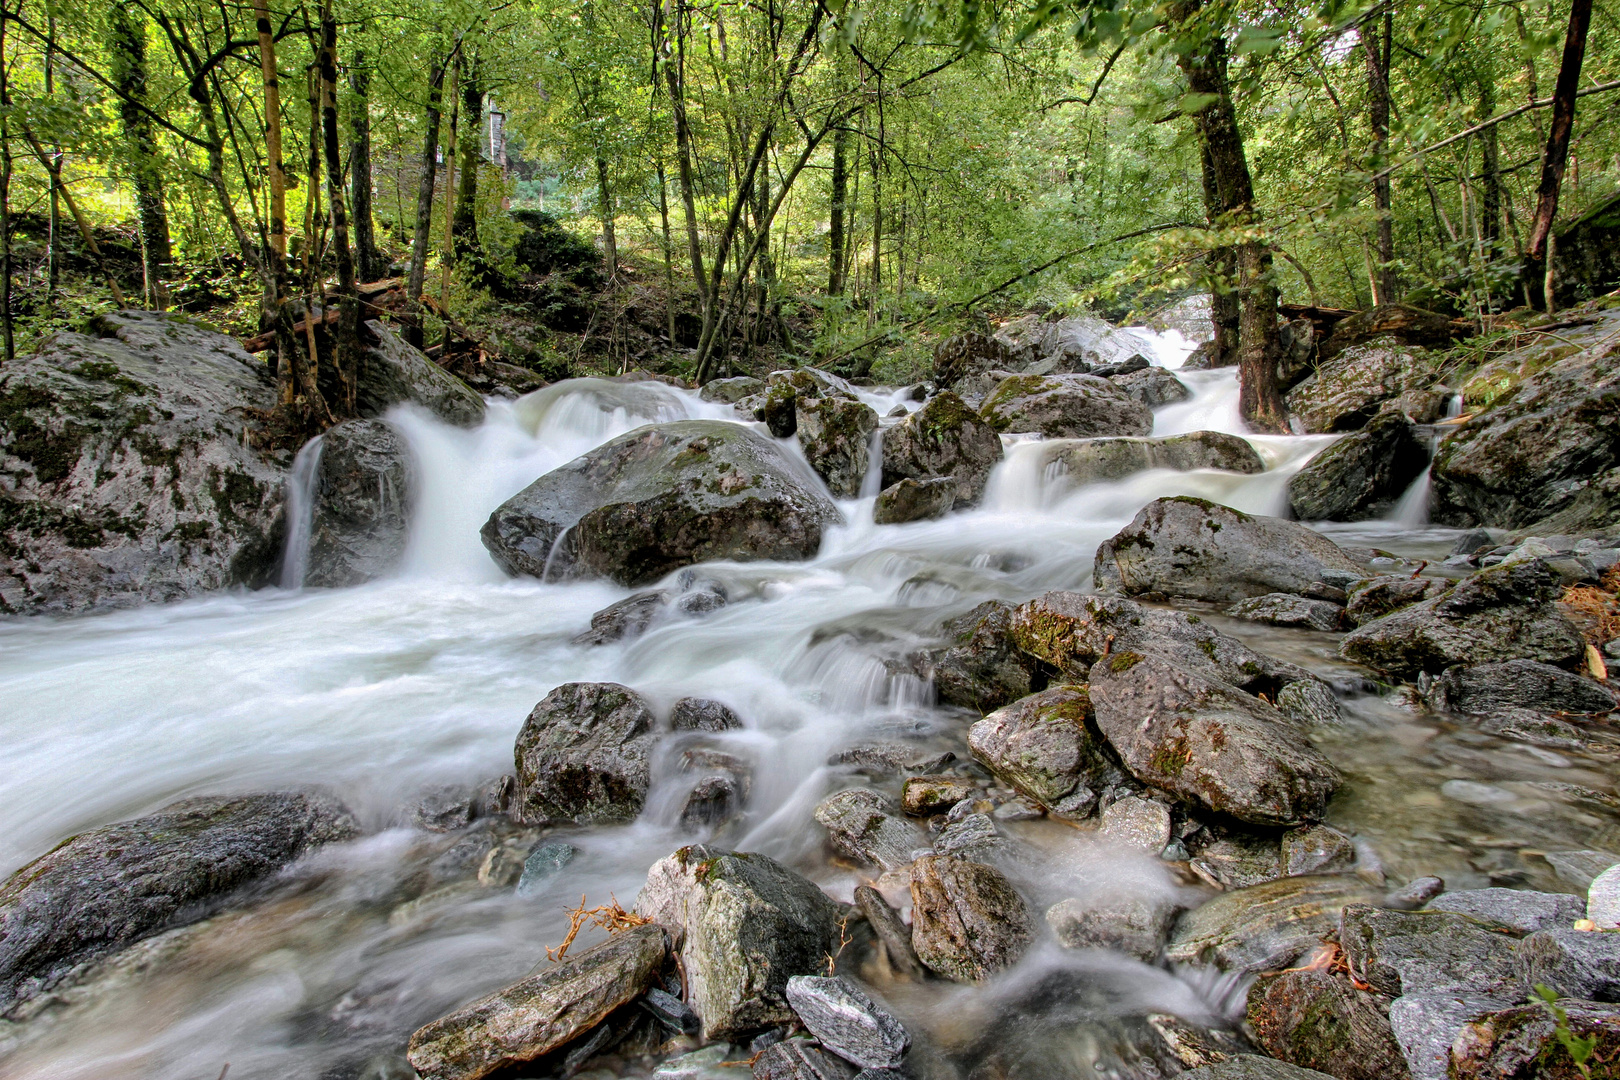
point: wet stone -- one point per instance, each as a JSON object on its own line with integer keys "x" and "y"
{"x": 1136, "y": 823}
{"x": 967, "y": 920}
{"x": 1418, "y": 952}
{"x": 1581, "y": 868}
{"x": 544, "y": 863}
{"x": 846, "y": 1020}
{"x": 582, "y": 755}
{"x": 1575, "y": 963}
{"x": 701, "y": 714}
{"x": 923, "y": 796}
{"x": 797, "y": 1059}
{"x": 915, "y": 500}
{"x": 1286, "y": 609}
{"x": 891, "y": 930}
{"x": 1252, "y": 1067}
{"x": 861, "y": 823}
{"x": 1318, "y": 1020}
{"x": 1040, "y": 744}
{"x": 1524, "y": 1041}
{"x": 1521, "y": 909}
{"x": 1238, "y": 862}
{"x": 1603, "y": 899}
{"x": 1316, "y": 850}
{"x": 973, "y": 837}
{"x": 714, "y": 800}
{"x": 1264, "y": 927}
{"x": 1134, "y": 925}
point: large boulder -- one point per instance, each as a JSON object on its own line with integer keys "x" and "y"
{"x": 969, "y": 354}
{"x": 967, "y": 920}
{"x": 943, "y": 438}
{"x": 393, "y": 373}
{"x": 1508, "y": 612}
{"x": 836, "y": 436}
{"x": 745, "y": 925}
{"x": 582, "y": 756}
{"x": 1547, "y": 454}
{"x": 1363, "y": 475}
{"x": 1209, "y": 742}
{"x": 1085, "y": 461}
{"x": 110, "y": 887}
{"x": 1520, "y": 683}
{"x": 1318, "y": 1020}
{"x": 778, "y": 405}
{"x": 127, "y": 468}
{"x": 914, "y": 500}
{"x": 1404, "y": 323}
{"x": 657, "y": 499}
{"x": 1041, "y": 745}
{"x": 1184, "y": 546}
{"x": 529, "y": 1019}
{"x": 360, "y": 510}
{"x": 1065, "y": 407}
{"x": 1354, "y": 385}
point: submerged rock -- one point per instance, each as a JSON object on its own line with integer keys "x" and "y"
{"x": 1040, "y": 744}
{"x": 943, "y": 438}
{"x": 746, "y": 925}
{"x": 582, "y": 756}
{"x": 110, "y": 887}
{"x": 836, "y": 436}
{"x": 1134, "y": 925}
{"x": 862, "y": 824}
{"x": 659, "y": 498}
{"x": 923, "y": 796}
{"x": 1085, "y": 461}
{"x": 1318, "y": 1020}
{"x": 543, "y": 1012}
{"x": 1504, "y": 613}
{"x": 1190, "y": 547}
{"x": 1065, "y": 407}
{"x": 1286, "y": 609}
{"x": 701, "y": 714}
{"x": 1135, "y": 822}
{"x": 364, "y": 494}
{"x": 915, "y": 500}
{"x": 846, "y": 1020}
{"x": 967, "y": 920}
{"x": 891, "y": 930}
{"x": 128, "y": 471}
{"x": 1362, "y": 476}
{"x": 1265, "y": 927}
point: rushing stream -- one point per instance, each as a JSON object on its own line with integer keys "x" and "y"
{"x": 388, "y": 691}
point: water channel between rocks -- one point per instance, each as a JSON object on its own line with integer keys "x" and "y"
{"x": 387, "y": 691}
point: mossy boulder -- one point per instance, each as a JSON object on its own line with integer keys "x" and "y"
{"x": 660, "y": 498}
{"x": 1356, "y": 384}
{"x": 967, "y": 920}
{"x": 582, "y": 756}
{"x": 1065, "y": 407}
{"x": 1363, "y": 475}
{"x": 129, "y": 472}
{"x": 1318, "y": 1020}
{"x": 1191, "y": 547}
{"x": 361, "y": 510}
{"x": 1041, "y": 744}
{"x": 981, "y": 668}
{"x": 393, "y": 373}
{"x": 943, "y": 438}
{"x": 835, "y": 434}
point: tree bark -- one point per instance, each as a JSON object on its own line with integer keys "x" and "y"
{"x": 877, "y": 233}
{"x": 604, "y": 192}
{"x": 1490, "y": 167}
{"x": 346, "y": 355}
{"x": 1376, "y": 45}
{"x": 1260, "y": 403}
{"x": 674, "y": 76}
{"x": 1222, "y": 264}
{"x": 669, "y": 260}
{"x": 469, "y": 150}
{"x": 128, "y": 71}
{"x": 369, "y": 262}
{"x": 1556, "y": 155}
{"x": 7, "y": 337}
{"x": 449, "y": 252}
{"x": 835, "y": 232}
{"x": 424, "y": 200}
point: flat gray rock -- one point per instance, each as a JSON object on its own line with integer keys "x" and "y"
{"x": 1134, "y": 925}
{"x": 1603, "y": 899}
{"x": 1521, "y": 909}
{"x": 797, "y": 1059}
{"x": 864, "y": 825}
{"x": 1428, "y": 952}
{"x": 967, "y": 920}
{"x": 1041, "y": 744}
{"x": 1265, "y": 927}
{"x": 1252, "y": 1067}
{"x": 1427, "y": 1025}
{"x": 1286, "y": 609}
{"x": 1576, "y": 963}
{"x": 1134, "y": 822}
{"x": 846, "y": 1020}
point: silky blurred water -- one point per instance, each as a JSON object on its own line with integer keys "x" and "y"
{"x": 386, "y": 691}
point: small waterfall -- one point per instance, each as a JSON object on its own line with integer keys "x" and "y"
{"x": 1413, "y": 509}
{"x": 872, "y": 482}
{"x": 301, "y": 482}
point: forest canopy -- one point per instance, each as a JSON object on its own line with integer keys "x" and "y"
{"x": 793, "y": 179}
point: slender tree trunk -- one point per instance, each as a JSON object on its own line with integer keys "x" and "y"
{"x": 53, "y": 170}
{"x": 309, "y": 374}
{"x": 835, "y": 231}
{"x": 53, "y": 228}
{"x": 424, "y": 200}
{"x": 346, "y": 355}
{"x": 1222, "y": 264}
{"x": 674, "y": 76}
{"x": 1556, "y": 155}
{"x": 369, "y": 262}
{"x": 1376, "y": 45}
{"x": 1259, "y": 400}
{"x": 669, "y": 260}
{"x": 469, "y": 150}
{"x": 128, "y": 70}
{"x": 448, "y": 256}
{"x": 275, "y": 277}
{"x": 1490, "y": 167}
{"x": 604, "y": 194}
{"x": 877, "y": 234}
{"x": 7, "y": 336}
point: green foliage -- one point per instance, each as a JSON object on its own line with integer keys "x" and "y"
{"x": 1579, "y": 1048}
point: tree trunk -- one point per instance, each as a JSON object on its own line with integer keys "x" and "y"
{"x": 1261, "y": 404}
{"x": 449, "y": 216}
{"x": 1376, "y": 47}
{"x": 1556, "y": 155}
{"x": 275, "y": 276}
{"x": 128, "y": 70}
{"x": 877, "y": 234}
{"x": 835, "y": 233}
{"x": 604, "y": 194}
{"x": 674, "y": 76}
{"x": 1222, "y": 264}
{"x": 53, "y": 228}
{"x": 669, "y": 260}
{"x": 7, "y": 337}
{"x": 469, "y": 150}
{"x": 369, "y": 262}
{"x": 346, "y": 355}
{"x": 424, "y": 201}
{"x": 1490, "y": 167}
{"x": 309, "y": 374}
